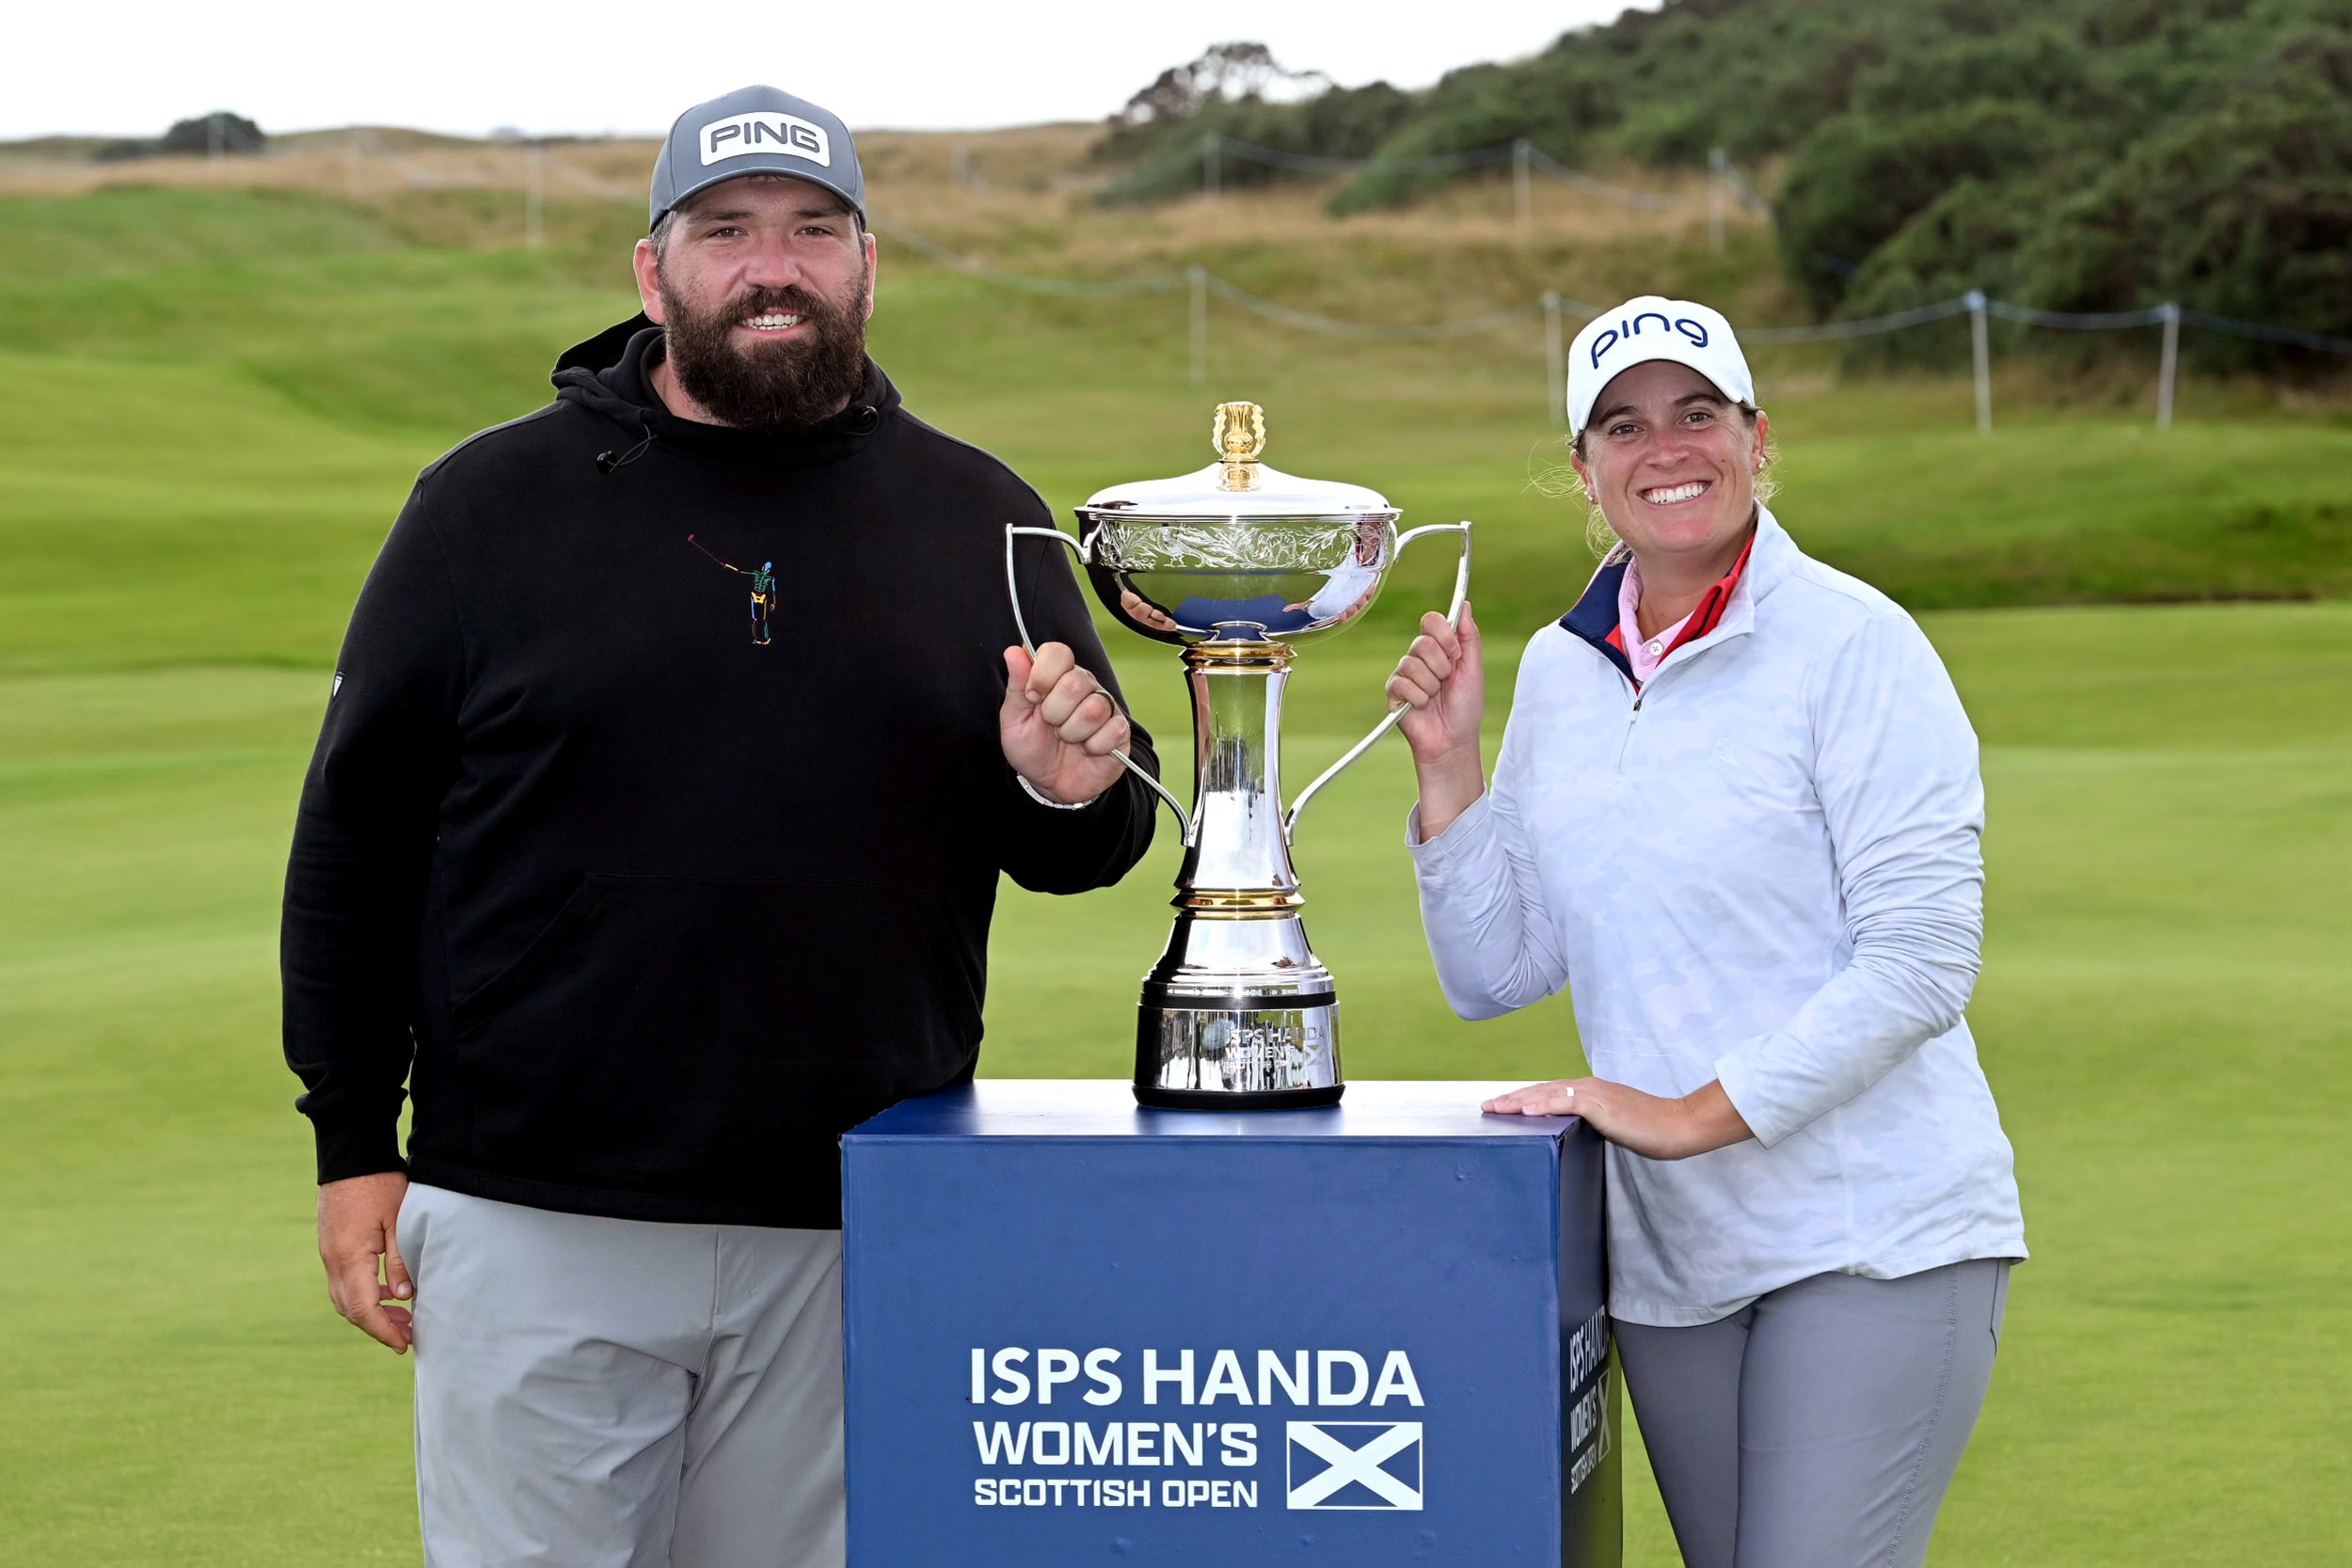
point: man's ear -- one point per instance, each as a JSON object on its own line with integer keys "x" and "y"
{"x": 648, "y": 270}
{"x": 873, "y": 256}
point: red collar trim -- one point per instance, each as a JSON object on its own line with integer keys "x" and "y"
{"x": 1709, "y": 613}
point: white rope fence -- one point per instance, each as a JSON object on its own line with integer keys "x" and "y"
{"x": 1551, "y": 309}
{"x": 1554, "y": 310}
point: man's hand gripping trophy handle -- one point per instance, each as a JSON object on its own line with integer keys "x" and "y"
{"x": 1049, "y": 701}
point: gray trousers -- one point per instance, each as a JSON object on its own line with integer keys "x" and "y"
{"x": 1818, "y": 1426}
{"x": 602, "y": 1393}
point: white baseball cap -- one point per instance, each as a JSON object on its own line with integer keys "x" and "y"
{"x": 1654, "y": 327}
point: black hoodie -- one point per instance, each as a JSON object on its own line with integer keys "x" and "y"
{"x": 645, "y": 910}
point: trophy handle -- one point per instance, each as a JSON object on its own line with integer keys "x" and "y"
{"x": 1453, "y": 617}
{"x": 1020, "y": 624}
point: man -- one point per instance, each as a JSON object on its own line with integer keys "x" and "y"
{"x": 646, "y": 909}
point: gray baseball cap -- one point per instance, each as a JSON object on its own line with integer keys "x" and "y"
{"x": 754, "y": 131}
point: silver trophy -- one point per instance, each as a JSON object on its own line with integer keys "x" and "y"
{"x": 1238, "y": 564}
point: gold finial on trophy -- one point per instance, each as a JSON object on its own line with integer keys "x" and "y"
{"x": 1238, "y": 434}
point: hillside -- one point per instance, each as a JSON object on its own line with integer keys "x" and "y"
{"x": 2070, "y": 154}
{"x": 235, "y": 384}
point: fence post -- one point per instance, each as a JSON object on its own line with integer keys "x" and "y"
{"x": 1523, "y": 187}
{"x": 1199, "y": 275}
{"x": 1212, "y": 175}
{"x": 1982, "y": 353}
{"x": 1716, "y": 184}
{"x": 1555, "y": 360}
{"x": 534, "y": 195}
{"x": 2167, "y": 365}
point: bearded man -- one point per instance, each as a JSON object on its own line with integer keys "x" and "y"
{"x": 645, "y": 908}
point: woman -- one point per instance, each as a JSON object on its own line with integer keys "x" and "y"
{"x": 1736, "y": 814}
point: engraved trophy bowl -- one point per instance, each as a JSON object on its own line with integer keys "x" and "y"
{"x": 1238, "y": 564}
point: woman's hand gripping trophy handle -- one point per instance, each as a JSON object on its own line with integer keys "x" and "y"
{"x": 1442, "y": 681}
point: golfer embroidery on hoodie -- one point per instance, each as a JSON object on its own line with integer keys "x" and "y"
{"x": 763, "y": 590}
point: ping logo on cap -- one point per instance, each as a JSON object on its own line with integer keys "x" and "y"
{"x": 764, "y": 131}
{"x": 1610, "y": 337}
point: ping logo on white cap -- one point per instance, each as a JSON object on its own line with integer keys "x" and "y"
{"x": 765, "y": 130}
{"x": 1649, "y": 327}
{"x": 1611, "y": 336}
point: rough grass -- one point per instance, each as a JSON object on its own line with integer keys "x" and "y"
{"x": 222, "y": 395}
{"x": 219, "y": 417}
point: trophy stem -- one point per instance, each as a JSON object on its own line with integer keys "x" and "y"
{"x": 1238, "y": 1012}
{"x": 1239, "y": 858}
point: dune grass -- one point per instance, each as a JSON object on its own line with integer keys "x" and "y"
{"x": 223, "y": 395}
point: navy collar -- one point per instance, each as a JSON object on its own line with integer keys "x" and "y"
{"x": 1594, "y": 616}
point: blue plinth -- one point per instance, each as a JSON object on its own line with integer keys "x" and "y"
{"x": 1080, "y": 1332}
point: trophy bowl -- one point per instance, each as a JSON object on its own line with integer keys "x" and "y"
{"x": 1239, "y": 564}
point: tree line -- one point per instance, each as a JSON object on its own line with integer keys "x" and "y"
{"x": 2077, "y": 154}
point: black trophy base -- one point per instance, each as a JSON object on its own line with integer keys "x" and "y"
{"x": 1238, "y": 1099}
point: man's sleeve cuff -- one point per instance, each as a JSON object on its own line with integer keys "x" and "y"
{"x": 358, "y": 1149}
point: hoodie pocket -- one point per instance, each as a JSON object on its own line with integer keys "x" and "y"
{"x": 665, "y": 1034}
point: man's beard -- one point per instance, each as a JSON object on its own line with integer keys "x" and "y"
{"x": 774, "y": 386}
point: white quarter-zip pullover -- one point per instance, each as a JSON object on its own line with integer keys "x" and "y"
{"x": 1762, "y": 867}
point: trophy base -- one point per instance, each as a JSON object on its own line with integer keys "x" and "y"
{"x": 1238, "y": 1099}
{"x": 1270, "y": 1050}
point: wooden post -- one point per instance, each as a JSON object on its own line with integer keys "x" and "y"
{"x": 2167, "y": 365}
{"x": 1556, "y": 361}
{"x": 534, "y": 195}
{"x": 1718, "y": 184}
{"x": 1199, "y": 275}
{"x": 1983, "y": 357}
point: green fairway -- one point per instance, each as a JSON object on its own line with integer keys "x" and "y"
{"x": 219, "y": 425}
{"x": 2163, "y": 1015}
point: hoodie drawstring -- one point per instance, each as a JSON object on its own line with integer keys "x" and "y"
{"x": 607, "y": 462}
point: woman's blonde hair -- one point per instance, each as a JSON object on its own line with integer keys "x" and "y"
{"x": 1562, "y": 481}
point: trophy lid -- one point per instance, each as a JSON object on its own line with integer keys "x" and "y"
{"x": 1237, "y": 485}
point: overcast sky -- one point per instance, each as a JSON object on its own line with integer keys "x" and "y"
{"x": 602, "y": 65}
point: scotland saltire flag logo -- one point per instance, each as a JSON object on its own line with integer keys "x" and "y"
{"x": 1354, "y": 1464}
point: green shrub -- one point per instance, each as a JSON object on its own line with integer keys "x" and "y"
{"x": 2069, "y": 154}
{"x": 2242, "y": 209}
{"x": 1861, "y": 179}
{"x": 2245, "y": 211}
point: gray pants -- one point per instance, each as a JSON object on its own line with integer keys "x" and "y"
{"x": 602, "y": 1393}
{"x": 1818, "y": 1426}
